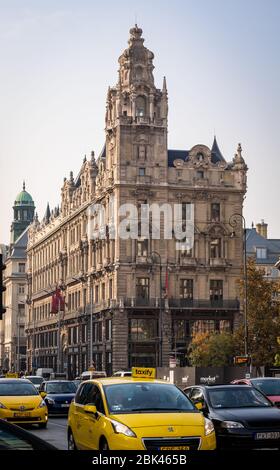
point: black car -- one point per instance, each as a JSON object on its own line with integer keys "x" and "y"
{"x": 242, "y": 416}
{"x": 12, "y": 437}
{"x": 58, "y": 395}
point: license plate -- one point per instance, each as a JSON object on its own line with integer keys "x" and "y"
{"x": 267, "y": 435}
{"x": 174, "y": 448}
{"x": 65, "y": 405}
{"x": 21, "y": 415}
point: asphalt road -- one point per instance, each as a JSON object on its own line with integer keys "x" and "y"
{"x": 55, "y": 434}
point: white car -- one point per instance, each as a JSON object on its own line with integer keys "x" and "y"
{"x": 122, "y": 373}
{"x": 35, "y": 379}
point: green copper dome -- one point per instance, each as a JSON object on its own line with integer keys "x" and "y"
{"x": 24, "y": 198}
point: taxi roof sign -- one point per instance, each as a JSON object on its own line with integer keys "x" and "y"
{"x": 143, "y": 372}
{"x": 11, "y": 375}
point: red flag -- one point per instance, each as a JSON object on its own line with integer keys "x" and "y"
{"x": 58, "y": 303}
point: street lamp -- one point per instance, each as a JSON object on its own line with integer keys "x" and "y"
{"x": 233, "y": 222}
{"x": 153, "y": 254}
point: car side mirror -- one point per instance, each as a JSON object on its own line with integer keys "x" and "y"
{"x": 43, "y": 394}
{"x": 90, "y": 409}
{"x": 199, "y": 405}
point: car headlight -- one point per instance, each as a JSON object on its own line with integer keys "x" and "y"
{"x": 120, "y": 428}
{"x": 42, "y": 404}
{"x": 2, "y": 406}
{"x": 231, "y": 425}
{"x": 208, "y": 426}
{"x": 51, "y": 401}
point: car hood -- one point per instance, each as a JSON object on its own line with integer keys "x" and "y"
{"x": 139, "y": 420}
{"x": 250, "y": 416}
{"x": 17, "y": 401}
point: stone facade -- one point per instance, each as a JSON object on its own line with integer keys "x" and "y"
{"x": 119, "y": 310}
{"x": 12, "y": 326}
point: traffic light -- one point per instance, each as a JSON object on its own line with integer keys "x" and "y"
{"x": 2, "y": 287}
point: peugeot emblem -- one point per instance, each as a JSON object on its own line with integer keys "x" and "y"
{"x": 22, "y": 408}
{"x": 170, "y": 429}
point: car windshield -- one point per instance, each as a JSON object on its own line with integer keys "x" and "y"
{"x": 146, "y": 397}
{"x": 238, "y": 398}
{"x": 268, "y": 387}
{"x": 14, "y": 389}
{"x": 35, "y": 380}
{"x": 61, "y": 387}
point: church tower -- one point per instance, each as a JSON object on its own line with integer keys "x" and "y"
{"x": 136, "y": 117}
{"x": 23, "y": 214}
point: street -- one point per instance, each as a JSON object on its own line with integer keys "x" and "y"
{"x": 55, "y": 433}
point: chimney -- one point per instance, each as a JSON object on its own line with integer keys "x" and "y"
{"x": 262, "y": 229}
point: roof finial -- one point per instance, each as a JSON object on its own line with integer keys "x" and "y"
{"x": 164, "y": 87}
{"x": 23, "y": 186}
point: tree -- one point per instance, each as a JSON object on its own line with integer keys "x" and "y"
{"x": 212, "y": 349}
{"x": 263, "y": 317}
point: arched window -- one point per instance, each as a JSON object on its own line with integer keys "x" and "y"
{"x": 140, "y": 106}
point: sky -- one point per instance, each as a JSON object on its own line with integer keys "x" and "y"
{"x": 221, "y": 61}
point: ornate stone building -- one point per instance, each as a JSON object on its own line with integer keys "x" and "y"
{"x": 117, "y": 311}
{"x": 12, "y": 326}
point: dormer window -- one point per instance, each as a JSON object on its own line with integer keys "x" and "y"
{"x": 140, "y": 106}
{"x": 200, "y": 157}
{"x": 261, "y": 253}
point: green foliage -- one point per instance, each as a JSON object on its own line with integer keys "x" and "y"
{"x": 212, "y": 349}
{"x": 262, "y": 317}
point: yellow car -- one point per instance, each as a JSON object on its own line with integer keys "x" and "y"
{"x": 20, "y": 402}
{"x": 132, "y": 413}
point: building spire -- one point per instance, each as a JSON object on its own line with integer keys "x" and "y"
{"x": 23, "y": 185}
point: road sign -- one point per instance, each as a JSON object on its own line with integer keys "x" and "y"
{"x": 242, "y": 360}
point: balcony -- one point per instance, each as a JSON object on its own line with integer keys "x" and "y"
{"x": 218, "y": 262}
{"x": 232, "y": 304}
{"x": 142, "y": 302}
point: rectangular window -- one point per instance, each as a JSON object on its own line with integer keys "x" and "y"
{"x": 108, "y": 329}
{"x": 142, "y": 247}
{"x": 103, "y": 291}
{"x": 200, "y": 174}
{"x": 216, "y": 248}
{"x": 21, "y": 310}
{"x": 215, "y": 212}
{"x": 21, "y": 288}
{"x": 96, "y": 294}
{"x": 186, "y": 289}
{"x": 143, "y": 288}
{"x": 261, "y": 253}
{"x": 21, "y": 267}
{"x": 143, "y": 329}
{"x": 216, "y": 290}
{"x": 142, "y": 171}
{"x": 111, "y": 289}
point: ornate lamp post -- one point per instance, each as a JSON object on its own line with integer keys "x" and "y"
{"x": 153, "y": 255}
{"x": 233, "y": 222}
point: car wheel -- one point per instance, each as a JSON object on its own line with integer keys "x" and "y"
{"x": 103, "y": 444}
{"x": 71, "y": 441}
{"x": 43, "y": 425}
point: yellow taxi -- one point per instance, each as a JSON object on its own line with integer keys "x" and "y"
{"x": 136, "y": 413}
{"x": 20, "y": 402}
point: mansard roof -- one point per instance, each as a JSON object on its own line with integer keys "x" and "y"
{"x": 254, "y": 240}
{"x": 18, "y": 249}
{"x": 216, "y": 154}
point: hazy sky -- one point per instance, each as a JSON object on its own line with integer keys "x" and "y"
{"x": 222, "y": 63}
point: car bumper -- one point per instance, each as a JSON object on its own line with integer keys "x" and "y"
{"x": 57, "y": 409}
{"x": 246, "y": 440}
{"x": 36, "y": 416}
{"x": 121, "y": 442}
